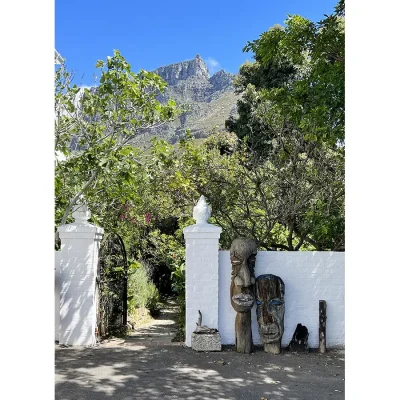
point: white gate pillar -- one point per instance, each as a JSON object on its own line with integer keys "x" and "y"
{"x": 202, "y": 243}
{"x": 80, "y": 243}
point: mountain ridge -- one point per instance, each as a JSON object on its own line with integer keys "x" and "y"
{"x": 211, "y": 99}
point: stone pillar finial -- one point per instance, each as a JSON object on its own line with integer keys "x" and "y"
{"x": 201, "y": 212}
{"x": 81, "y": 212}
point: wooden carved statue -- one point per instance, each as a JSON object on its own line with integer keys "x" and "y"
{"x": 270, "y": 292}
{"x": 243, "y": 258}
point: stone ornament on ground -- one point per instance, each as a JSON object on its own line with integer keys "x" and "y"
{"x": 270, "y": 292}
{"x": 243, "y": 257}
{"x": 205, "y": 338}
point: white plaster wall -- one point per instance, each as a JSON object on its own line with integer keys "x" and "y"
{"x": 78, "y": 270}
{"x": 201, "y": 277}
{"x": 308, "y": 277}
{"x": 57, "y": 259}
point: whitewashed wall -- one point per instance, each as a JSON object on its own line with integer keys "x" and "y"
{"x": 57, "y": 260}
{"x": 201, "y": 276}
{"x": 308, "y": 277}
{"x": 78, "y": 270}
{"x": 77, "y": 263}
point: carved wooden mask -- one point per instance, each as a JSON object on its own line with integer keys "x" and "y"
{"x": 243, "y": 257}
{"x": 270, "y": 292}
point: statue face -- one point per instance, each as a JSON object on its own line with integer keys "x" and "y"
{"x": 270, "y": 291}
{"x": 243, "y": 258}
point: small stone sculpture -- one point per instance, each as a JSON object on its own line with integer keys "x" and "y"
{"x": 243, "y": 257}
{"x": 205, "y": 338}
{"x": 203, "y": 329}
{"x": 270, "y": 292}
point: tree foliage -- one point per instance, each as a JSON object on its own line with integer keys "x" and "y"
{"x": 287, "y": 203}
{"x": 101, "y": 122}
{"x": 313, "y": 99}
{"x": 291, "y": 117}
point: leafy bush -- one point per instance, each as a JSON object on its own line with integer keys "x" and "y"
{"x": 141, "y": 291}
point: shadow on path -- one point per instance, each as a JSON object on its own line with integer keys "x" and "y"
{"x": 147, "y": 365}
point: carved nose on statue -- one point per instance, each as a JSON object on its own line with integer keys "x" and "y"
{"x": 238, "y": 281}
{"x": 246, "y": 277}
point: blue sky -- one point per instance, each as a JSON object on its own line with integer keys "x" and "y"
{"x": 151, "y": 34}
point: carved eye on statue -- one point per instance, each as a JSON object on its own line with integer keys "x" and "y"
{"x": 275, "y": 303}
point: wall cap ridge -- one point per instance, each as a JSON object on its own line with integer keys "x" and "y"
{"x": 80, "y": 228}
{"x": 202, "y": 228}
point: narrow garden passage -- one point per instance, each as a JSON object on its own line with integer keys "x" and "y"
{"x": 160, "y": 331}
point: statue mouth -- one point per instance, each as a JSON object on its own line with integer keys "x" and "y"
{"x": 269, "y": 332}
{"x": 243, "y": 299}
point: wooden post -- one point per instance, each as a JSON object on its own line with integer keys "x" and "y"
{"x": 322, "y": 326}
{"x": 243, "y": 257}
{"x": 243, "y": 336}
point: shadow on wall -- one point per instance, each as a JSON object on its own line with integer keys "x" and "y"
{"x": 77, "y": 295}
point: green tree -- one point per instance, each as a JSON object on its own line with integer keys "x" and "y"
{"x": 101, "y": 122}
{"x": 313, "y": 99}
{"x": 291, "y": 117}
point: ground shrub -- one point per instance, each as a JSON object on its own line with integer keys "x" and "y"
{"x": 142, "y": 293}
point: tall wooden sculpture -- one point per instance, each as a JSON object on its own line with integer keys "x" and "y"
{"x": 243, "y": 258}
{"x": 270, "y": 292}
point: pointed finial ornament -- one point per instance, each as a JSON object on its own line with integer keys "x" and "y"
{"x": 201, "y": 212}
{"x": 81, "y": 212}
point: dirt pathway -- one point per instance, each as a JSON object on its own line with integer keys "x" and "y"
{"x": 161, "y": 330}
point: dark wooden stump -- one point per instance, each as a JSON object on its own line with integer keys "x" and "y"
{"x": 322, "y": 326}
{"x": 243, "y": 337}
{"x": 299, "y": 342}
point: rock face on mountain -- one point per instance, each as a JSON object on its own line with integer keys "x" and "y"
{"x": 174, "y": 73}
{"x": 211, "y": 99}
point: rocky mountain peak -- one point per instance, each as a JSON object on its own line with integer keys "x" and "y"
{"x": 211, "y": 99}
{"x": 222, "y": 80}
{"x": 174, "y": 73}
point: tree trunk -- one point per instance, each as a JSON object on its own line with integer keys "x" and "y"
{"x": 243, "y": 337}
{"x": 322, "y": 326}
